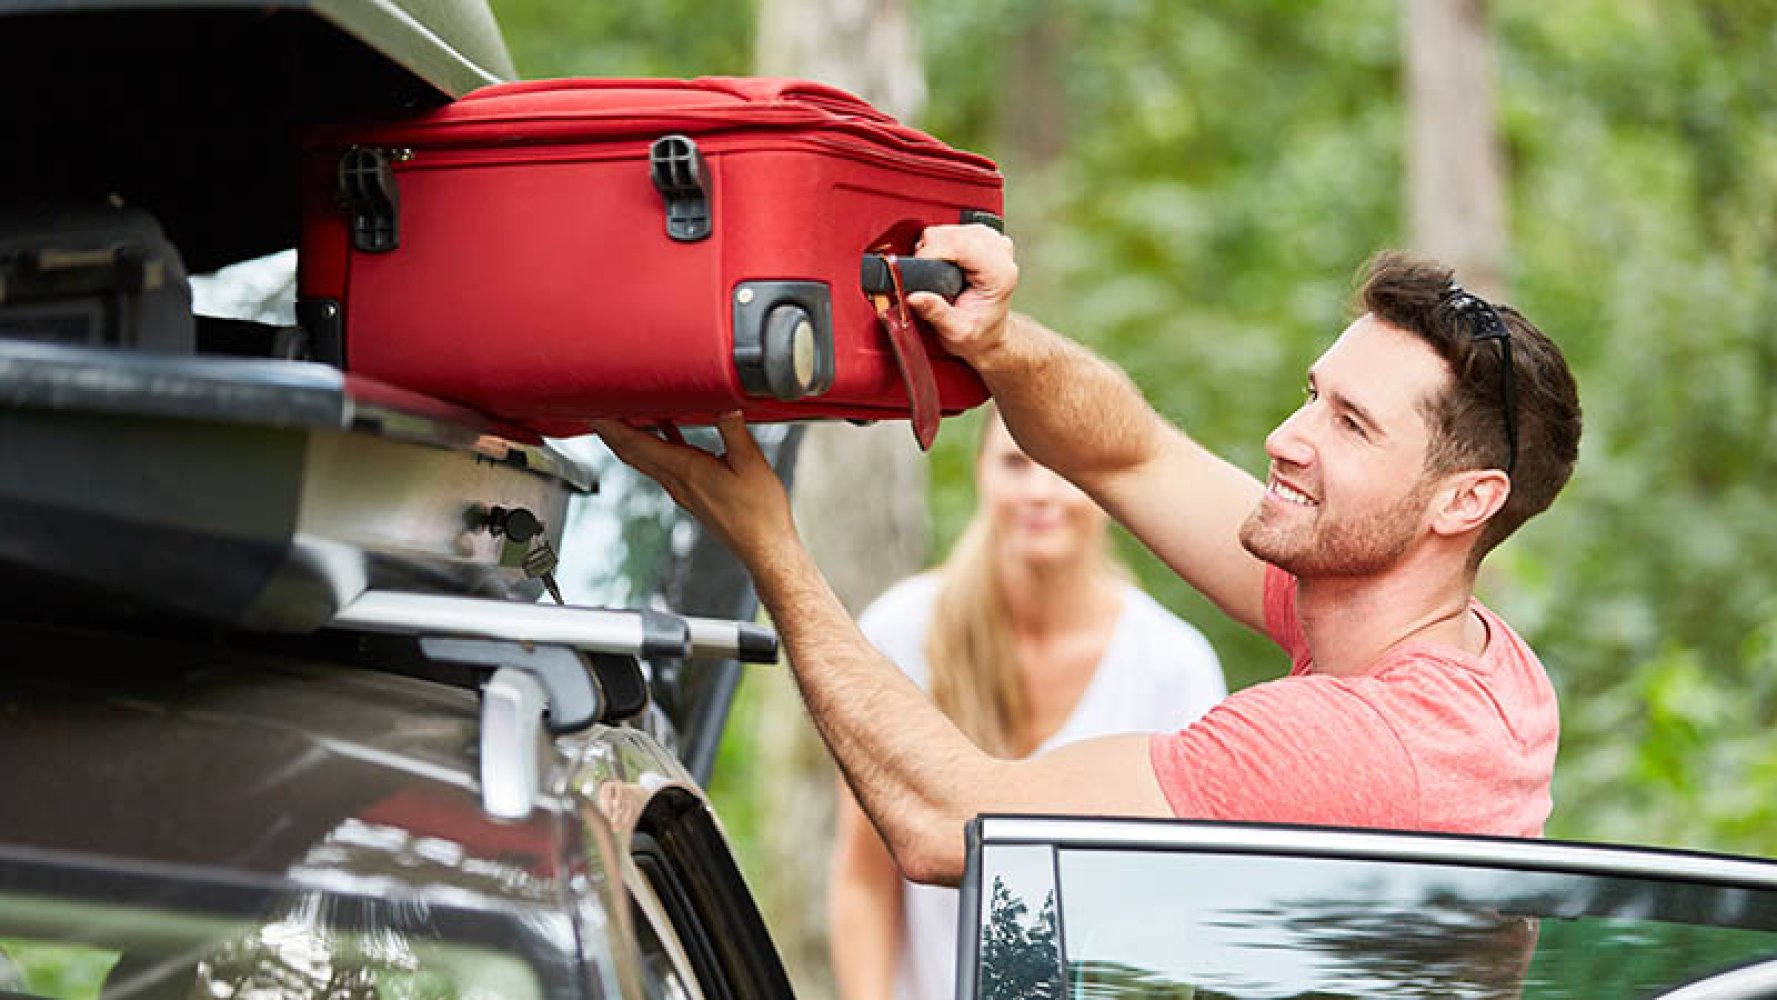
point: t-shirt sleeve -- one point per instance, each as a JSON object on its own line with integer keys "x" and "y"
{"x": 1299, "y": 750}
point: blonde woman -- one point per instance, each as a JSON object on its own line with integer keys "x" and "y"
{"x": 1029, "y": 636}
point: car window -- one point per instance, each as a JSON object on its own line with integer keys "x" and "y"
{"x": 1111, "y": 923}
{"x": 1021, "y": 950}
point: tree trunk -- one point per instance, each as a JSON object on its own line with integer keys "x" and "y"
{"x": 860, "y": 497}
{"x": 1455, "y": 177}
{"x": 1033, "y": 110}
{"x": 868, "y": 47}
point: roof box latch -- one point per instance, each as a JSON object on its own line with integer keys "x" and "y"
{"x": 677, "y": 169}
{"x": 372, "y": 198}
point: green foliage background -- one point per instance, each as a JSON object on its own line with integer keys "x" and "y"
{"x": 1226, "y": 169}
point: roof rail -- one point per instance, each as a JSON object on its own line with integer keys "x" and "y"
{"x": 530, "y": 684}
{"x": 646, "y": 634}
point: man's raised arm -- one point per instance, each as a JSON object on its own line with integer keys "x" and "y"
{"x": 916, "y": 775}
{"x": 1082, "y": 417}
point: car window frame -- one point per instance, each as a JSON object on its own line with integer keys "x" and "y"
{"x": 1061, "y": 833}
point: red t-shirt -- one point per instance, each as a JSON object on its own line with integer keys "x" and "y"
{"x": 1430, "y": 738}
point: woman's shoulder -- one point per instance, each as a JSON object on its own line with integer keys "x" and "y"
{"x": 906, "y": 604}
{"x": 1151, "y": 614}
{"x": 1153, "y": 627}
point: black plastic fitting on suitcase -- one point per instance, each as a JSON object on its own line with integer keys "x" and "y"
{"x": 324, "y": 322}
{"x": 372, "y": 198}
{"x": 676, "y": 167}
{"x": 991, "y": 220}
{"x": 783, "y": 338}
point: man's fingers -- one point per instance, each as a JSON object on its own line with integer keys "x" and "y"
{"x": 738, "y": 446}
{"x": 931, "y": 308}
{"x": 968, "y": 245}
{"x": 649, "y": 455}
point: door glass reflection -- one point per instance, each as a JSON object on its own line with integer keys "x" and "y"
{"x": 1020, "y": 938}
{"x": 1235, "y": 926}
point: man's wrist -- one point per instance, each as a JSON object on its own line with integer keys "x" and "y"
{"x": 777, "y": 566}
{"x": 1013, "y": 353}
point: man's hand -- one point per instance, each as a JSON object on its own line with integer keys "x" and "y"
{"x": 975, "y": 325}
{"x": 736, "y": 494}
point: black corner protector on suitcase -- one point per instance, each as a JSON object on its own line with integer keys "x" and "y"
{"x": 676, "y": 167}
{"x": 372, "y": 198}
{"x": 325, "y": 322}
{"x": 783, "y": 338}
{"x": 991, "y": 220}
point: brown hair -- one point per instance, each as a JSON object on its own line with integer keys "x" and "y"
{"x": 969, "y": 646}
{"x": 1467, "y": 417}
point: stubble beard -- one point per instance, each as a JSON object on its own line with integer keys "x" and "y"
{"x": 1364, "y": 546}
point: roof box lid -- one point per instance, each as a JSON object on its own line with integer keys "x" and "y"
{"x": 191, "y": 111}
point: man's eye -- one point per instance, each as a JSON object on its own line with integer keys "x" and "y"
{"x": 1346, "y": 421}
{"x": 1309, "y": 392}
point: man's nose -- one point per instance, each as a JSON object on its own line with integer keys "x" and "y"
{"x": 1288, "y": 442}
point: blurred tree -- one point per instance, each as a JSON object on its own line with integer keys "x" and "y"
{"x": 551, "y": 38}
{"x": 1455, "y": 180}
{"x": 1646, "y": 206}
{"x": 1229, "y": 166}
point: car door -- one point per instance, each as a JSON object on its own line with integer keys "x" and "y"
{"x": 1096, "y": 909}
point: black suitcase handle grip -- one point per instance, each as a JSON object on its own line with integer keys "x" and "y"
{"x": 918, "y": 274}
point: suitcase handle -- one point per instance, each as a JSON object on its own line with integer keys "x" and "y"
{"x": 918, "y": 274}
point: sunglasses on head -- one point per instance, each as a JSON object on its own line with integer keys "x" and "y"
{"x": 1484, "y": 323}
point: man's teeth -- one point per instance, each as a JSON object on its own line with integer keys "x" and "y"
{"x": 1292, "y": 495}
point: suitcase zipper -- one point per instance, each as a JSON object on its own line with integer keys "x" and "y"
{"x": 637, "y": 149}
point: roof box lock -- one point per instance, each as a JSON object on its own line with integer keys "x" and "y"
{"x": 368, "y": 189}
{"x": 526, "y": 542}
{"x": 677, "y": 169}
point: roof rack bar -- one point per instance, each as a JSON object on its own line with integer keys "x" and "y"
{"x": 644, "y": 633}
{"x": 722, "y": 639}
{"x": 595, "y": 630}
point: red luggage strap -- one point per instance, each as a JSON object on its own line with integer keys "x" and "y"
{"x": 910, "y": 356}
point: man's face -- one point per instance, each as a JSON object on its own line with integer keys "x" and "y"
{"x": 1348, "y": 491}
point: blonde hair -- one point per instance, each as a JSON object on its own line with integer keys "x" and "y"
{"x": 969, "y": 644}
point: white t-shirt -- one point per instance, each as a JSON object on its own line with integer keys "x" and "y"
{"x": 1158, "y": 675}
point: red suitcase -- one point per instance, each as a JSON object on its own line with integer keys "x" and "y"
{"x": 658, "y": 250}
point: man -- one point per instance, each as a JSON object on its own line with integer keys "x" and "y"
{"x": 1432, "y": 428}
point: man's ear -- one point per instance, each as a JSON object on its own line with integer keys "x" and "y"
{"x": 1468, "y": 499}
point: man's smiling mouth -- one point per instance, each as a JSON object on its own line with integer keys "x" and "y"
{"x": 1284, "y": 491}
